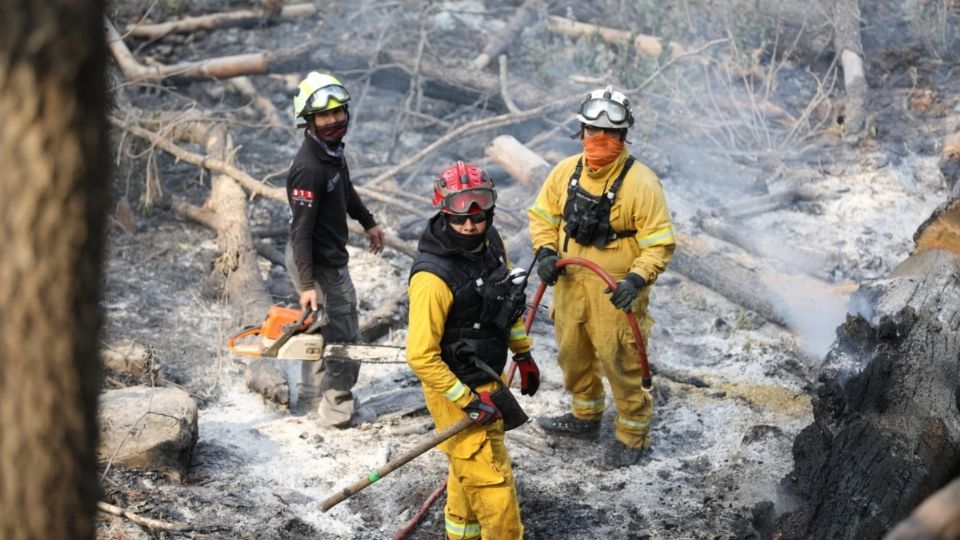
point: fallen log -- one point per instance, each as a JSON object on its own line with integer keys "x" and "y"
{"x": 642, "y": 43}
{"x": 735, "y": 282}
{"x": 246, "y": 17}
{"x": 223, "y": 67}
{"x": 519, "y": 161}
{"x": 225, "y": 211}
{"x": 500, "y": 41}
{"x": 764, "y": 203}
{"x": 886, "y": 429}
{"x": 266, "y": 107}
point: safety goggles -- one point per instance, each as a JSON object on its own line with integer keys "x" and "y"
{"x": 593, "y": 108}
{"x": 460, "y": 219}
{"x": 320, "y": 100}
{"x": 463, "y": 201}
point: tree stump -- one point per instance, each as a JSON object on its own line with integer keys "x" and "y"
{"x": 886, "y": 430}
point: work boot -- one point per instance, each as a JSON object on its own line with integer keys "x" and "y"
{"x": 570, "y": 426}
{"x": 620, "y": 455}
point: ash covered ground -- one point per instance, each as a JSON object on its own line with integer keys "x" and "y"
{"x": 732, "y": 390}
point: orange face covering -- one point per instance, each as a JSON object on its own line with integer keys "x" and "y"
{"x": 600, "y": 149}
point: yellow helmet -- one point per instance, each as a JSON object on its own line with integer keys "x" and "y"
{"x": 319, "y": 92}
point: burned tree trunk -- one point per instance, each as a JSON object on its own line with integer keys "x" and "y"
{"x": 846, "y": 15}
{"x": 886, "y": 430}
{"x": 53, "y": 193}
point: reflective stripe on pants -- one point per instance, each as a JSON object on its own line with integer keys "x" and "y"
{"x": 594, "y": 338}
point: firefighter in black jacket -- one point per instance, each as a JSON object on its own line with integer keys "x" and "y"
{"x": 321, "y": 198}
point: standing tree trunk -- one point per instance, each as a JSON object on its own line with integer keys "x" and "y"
{"x": 53, "y": 194}
{"x": 846, "y": 16}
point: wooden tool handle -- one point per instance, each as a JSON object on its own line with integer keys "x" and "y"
{"x": 391, "y": 466}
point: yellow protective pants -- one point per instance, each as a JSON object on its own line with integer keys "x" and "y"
{"x": 481, "y": 494}
{"x": 593, "y": 337}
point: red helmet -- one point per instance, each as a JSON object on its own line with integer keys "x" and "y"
{"x": 464, "y": 189}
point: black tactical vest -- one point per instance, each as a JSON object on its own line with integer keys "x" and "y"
{"x": 469, "y": 330}
{"x": 587, "y": 217}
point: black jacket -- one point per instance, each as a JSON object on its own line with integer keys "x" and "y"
{"x": 321, "y": 197}
{"x": 468, "y": 330}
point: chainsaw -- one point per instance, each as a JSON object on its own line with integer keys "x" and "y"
{"x": 288, "y": 334}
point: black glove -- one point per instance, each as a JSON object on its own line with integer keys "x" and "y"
{"x": 547, "y": 267}
{"x": 529, "y": 373}
{"x": 626, "y": 291}
{"x": 482, "y": 409}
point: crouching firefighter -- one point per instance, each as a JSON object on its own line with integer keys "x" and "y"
{"x": 605, "y": 207}
{"x": 465, "y": 313}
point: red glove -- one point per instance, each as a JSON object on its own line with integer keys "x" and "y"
{"x": 529, "y": 373}
{"x": 482, "y": 409}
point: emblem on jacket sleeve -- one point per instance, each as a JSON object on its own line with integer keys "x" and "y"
{"x": 302, "y": 197}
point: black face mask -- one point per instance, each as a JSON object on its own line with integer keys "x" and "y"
{"x": 467, "y": 242}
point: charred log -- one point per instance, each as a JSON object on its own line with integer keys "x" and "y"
{"x": 886, "y": 422}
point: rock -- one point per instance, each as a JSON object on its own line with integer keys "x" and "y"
{"x": 152, "y": 428}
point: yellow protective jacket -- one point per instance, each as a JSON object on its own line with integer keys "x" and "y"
{"x": 430, "y": 303}
{"x": 640, "y": 205}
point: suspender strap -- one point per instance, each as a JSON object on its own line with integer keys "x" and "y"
{"x": 616, "y": 183}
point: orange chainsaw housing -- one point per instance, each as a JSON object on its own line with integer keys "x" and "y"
{"x": 278, "y": 317}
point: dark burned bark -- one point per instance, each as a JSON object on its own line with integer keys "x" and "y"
{"x": 53, "y": 193}
{"x": 886, "y": 421}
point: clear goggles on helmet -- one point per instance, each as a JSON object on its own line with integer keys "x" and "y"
{"x": 593, "y": 108}
{"x": 320, "y": 100}
{"x": 462, "y": 202}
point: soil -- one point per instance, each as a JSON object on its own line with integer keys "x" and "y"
{"x": 731, "y": 390}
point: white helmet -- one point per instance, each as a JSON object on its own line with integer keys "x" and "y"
{"x": 606, "y": 108}
{"x": 319, "y": 92}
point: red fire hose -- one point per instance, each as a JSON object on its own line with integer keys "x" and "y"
{"x": 647, "y": 380}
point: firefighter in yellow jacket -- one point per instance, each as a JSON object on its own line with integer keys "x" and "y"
{"x": 465, "y": 311}
{"x": 603, "y": 206}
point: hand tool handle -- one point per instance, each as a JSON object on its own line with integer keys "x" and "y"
{"x": 391, "y": 466}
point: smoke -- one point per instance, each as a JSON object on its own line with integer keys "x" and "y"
{"x": 813, "y": 310}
